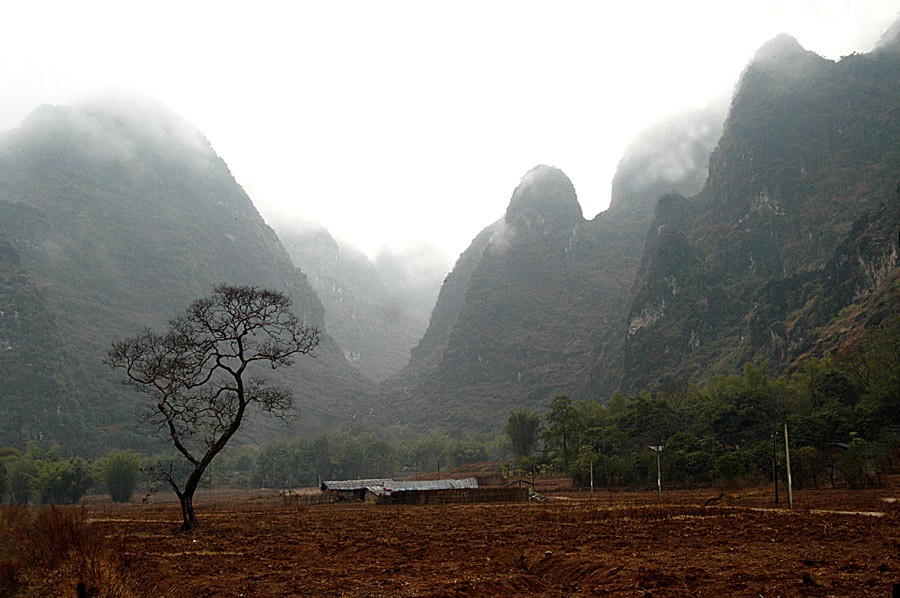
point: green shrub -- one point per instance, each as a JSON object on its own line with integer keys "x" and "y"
{"x": 119, "y": 472}
{"x": 42, "y": 476}
{"x": 21, "y": 480}
{"x": 63, "y": 482}
{"x": 728, "y": 468}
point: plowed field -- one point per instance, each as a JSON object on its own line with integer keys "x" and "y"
{"x": 609, "y": 545}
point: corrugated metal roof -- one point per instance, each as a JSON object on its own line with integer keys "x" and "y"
{"x": 392, "y": 486}
{"x": 351, "y": 485}
{"x": 381, "y": 487}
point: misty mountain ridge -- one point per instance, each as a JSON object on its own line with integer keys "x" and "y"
{"x": 561, "y": 263}
{"x": 890, "y": 40}
{"x": 120, "y": 215}
{"x": 376, "y": 310}
{"x": 521, "y": 315}
{"x": 686, "y": 275}
{"x": 768, "y": 234}
{"x": 487, "y": 332}
{"x": 669, "y": 156}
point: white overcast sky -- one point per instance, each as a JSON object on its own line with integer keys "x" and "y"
{"x": 390, "y": 122}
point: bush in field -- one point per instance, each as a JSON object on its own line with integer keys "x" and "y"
{"x": 858, "y": 463}
{"x": 728, "y": 468}
{"x": 63, "y": 482}
{"x": 21, "y": 479}
{"x": 119, "y": 472}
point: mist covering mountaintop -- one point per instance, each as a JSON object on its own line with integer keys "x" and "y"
{"x": 121, "y": 215}
{"x": 746, "y": 236}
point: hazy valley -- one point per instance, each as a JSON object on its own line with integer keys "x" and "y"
{"x": 759, "y": 237}
{"x": 694, "y": 391}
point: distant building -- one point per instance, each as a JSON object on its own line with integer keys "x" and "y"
{"x": 420, "y": 492}
{"x": 353, "y": 490}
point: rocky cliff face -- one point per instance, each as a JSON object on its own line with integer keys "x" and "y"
{"x": 808, "y": 157}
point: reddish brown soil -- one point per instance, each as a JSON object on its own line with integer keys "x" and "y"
{"x": 610, "y": 545}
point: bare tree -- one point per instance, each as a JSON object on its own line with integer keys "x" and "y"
{"x": 198, "y": 374}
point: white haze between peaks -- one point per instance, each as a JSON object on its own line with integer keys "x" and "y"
{"x": 395, "y": 122}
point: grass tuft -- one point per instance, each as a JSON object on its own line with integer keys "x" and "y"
{"x": 52, "y": 551}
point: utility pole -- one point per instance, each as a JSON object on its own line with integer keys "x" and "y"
{"x": 592, "y": 476}
{"x": 533, "y": 487}
{"x": 658, "y": 448}
{"x": 787, "y": 459}
{"x": 775, "y": 460}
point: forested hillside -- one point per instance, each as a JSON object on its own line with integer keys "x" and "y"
{"x": 32, "y": 357}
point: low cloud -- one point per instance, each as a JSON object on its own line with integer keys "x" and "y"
{"x": 414, "y": 271}
{"x": 670, "y": 155}
{"x": 117, "y": 127}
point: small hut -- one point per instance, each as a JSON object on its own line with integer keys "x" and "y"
{"x": 353, "y": 490}
{"x": 393, "y": 491}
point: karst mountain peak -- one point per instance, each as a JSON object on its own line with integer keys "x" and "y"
{"x": 545, "y": 197}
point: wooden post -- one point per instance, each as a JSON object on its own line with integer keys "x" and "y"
{"x": 533, "y": 487}
{"x": 787, "y": 460}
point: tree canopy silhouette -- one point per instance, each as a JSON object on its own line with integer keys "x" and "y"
{"x": 201, "y": 374}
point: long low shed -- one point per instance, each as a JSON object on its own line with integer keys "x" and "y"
{"x": 388, "y": 491}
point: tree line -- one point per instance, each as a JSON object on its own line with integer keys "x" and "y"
{"x": 43, "y": 476}
{"x": 360, "y": 453}
{"x": 843, "y": 415}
